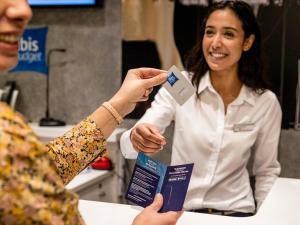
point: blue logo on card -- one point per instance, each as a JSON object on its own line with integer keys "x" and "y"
{"x": 172, "y": 79}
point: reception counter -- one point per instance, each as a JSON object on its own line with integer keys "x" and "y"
{"x": 281, "y": 207}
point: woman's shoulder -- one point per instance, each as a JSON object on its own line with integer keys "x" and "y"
{"x": 5, "y": 110}
{"x": 267, "y": 97}
{"x": 13, "y": 122}
{"x": 268, "y": 94}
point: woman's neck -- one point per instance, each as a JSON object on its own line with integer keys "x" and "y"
{"x": 227, "y": 84}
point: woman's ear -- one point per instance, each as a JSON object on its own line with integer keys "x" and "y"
{"x": 248, "y": 42}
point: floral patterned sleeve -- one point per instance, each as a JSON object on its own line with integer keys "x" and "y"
{"x": 76, "y": 149}
{"x": 31, "y": 190}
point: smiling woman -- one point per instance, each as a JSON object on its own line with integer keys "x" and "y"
{"x": 224, "y": 41}
{"x": 231, "y": 116}
{"x": 14, "y": 17}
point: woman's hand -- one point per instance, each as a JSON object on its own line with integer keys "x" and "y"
{"x": 136, "y": 87}
{"x": 146, "y": 138}
{"x": 150, "y": 215}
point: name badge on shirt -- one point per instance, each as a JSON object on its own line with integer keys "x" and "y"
{"x": 240, "y": 127}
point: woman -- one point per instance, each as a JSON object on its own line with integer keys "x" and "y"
{"x": 231, "y": 116}
{"x": 32, "y": 177}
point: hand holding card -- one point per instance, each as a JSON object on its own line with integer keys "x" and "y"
{"x": 178, "y": 86}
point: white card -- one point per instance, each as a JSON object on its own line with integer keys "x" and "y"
{"x": 178, "y": 86}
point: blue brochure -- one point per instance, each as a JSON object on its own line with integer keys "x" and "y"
{"x": 151, "y": 176}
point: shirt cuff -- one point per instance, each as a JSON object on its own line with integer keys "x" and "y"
{"x": 127, "y": 148}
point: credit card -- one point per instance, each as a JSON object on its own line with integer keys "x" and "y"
{"x": 178, "y": 86}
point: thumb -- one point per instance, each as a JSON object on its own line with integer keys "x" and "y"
{"x": 157, "y": 203}
{"x": 155, "y": 131}
{"x": 154, "y": 81}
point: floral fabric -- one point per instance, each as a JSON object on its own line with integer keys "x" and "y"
{"x": 32, "y": 176}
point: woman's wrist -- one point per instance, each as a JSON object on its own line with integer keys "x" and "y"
{"x": 113, "y": 112}
{"x": 122, "y": 106}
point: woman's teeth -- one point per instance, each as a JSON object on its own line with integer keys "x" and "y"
{"x": 9, "y": 38}
{"x": 217, "y": 55}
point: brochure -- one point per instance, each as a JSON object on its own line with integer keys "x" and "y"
{"x": 150, "y": 177}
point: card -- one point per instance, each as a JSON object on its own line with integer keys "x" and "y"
{"x": 151, "y": 176}
{"x": 178, "y": 86}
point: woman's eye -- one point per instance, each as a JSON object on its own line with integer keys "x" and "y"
{"x": 209, "y": 33}
{"x": 229, "y": 34}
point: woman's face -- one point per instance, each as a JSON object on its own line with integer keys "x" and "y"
{"x": 14, "y": 16}
{"x": 223, "y": 41}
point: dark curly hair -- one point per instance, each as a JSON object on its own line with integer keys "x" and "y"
{"x": 250, "y": 68}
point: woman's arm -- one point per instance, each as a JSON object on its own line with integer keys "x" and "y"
{"x": 266, "y": 167}
{"x": 80, "y": 146}
{"x": 31, "y": 190}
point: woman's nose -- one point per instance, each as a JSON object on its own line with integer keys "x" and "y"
{"x": 217, "y": 41}
{"x": 20, "y": 11}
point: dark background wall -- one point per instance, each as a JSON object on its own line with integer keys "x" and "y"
{"x": 280, "y": 29}
{"x": 290, "y": 65}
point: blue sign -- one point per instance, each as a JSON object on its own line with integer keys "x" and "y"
{"x": 32, "y": 51}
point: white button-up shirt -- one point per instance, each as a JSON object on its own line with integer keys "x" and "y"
{"x": 220, "y": 144}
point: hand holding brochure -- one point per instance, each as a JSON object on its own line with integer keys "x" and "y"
{"x": 151, "y": 176}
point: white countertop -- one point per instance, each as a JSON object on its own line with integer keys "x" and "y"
{"x": 86, "y": 178}
{"x": 280, "y": 208}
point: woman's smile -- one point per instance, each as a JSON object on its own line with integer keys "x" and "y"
{"x": 9, "y": 43}
{"x": 217, "y": 55}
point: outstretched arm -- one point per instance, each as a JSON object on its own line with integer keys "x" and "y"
{"x": 80, "y": 146}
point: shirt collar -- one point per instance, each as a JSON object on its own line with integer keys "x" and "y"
{"x": 245, "y": 95}
{"x": 204, "y": 83}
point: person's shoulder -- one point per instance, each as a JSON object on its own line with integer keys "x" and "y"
{"x": 13, "y": 122}
{"x": 270, "y": 95}
{"x": 5, "y": 110}
{"x": 268, "y": 98}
